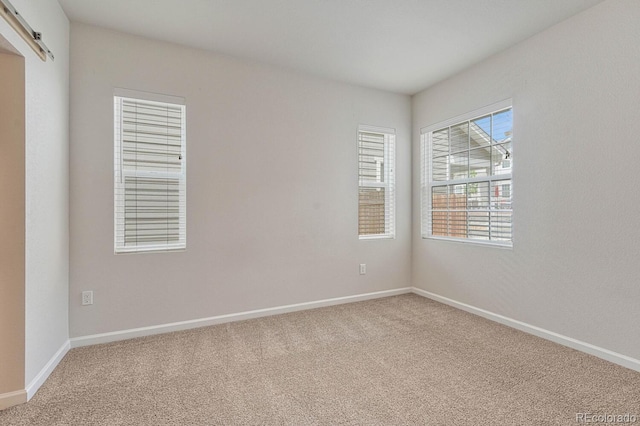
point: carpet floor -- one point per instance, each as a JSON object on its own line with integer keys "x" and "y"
{"x": 400, "y": 360}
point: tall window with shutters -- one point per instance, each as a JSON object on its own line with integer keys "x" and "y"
{"x": 150, "y": 175}
{"x": 466, "y": 178}
{"x": 376, "y": 181}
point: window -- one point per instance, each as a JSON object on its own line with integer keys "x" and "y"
{"x": 376, "y": 182}
{"x": 150, "y": 174}
{"x": 466, "y": 179}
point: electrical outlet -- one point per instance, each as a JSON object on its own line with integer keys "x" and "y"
{"x": 363, "y": 268}
{"x": 87, "y": 298}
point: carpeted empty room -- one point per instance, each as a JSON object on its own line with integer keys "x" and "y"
{"x": 319, "y": 212}
{"x": 391, "y": 361}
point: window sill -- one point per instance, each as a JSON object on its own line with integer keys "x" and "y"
{"x": 495, "y": 244}
{"x": 149, "y": 250}
{"x": 376, "y": 237}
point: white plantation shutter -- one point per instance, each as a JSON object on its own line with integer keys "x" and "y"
{"x": 150, "y": 175}
{"x": 466, "y": 177}
{"x": 376, "y": 182}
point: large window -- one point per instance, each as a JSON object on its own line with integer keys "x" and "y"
{"x": 150, "y": 174}
{"x": 376, "y": 182}
{"x": 466, "y": 182}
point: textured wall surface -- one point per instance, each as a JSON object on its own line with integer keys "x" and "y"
{"x": 272, "y": 195}
{"x": 574, "y": 267}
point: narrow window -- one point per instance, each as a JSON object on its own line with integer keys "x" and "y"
{"x": 466, "y": 183}
{"x": 150, "y": 175}
{"x": 376, "y": 182}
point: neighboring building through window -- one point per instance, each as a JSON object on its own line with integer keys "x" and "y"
{"x": 466, "y": 181}
{"x": 150, "y": 172}
{"x": 376, "y": 182}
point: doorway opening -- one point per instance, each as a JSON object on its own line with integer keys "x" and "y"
{"x": 12, "y": 226}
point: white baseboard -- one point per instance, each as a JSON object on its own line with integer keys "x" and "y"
{"x": 10, "y": 399}
{"x": 605, "y": 354}
{"x": 220, "y": 319}
{"x": 40, "y": 378}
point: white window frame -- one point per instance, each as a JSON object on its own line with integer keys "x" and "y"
{"x": 120, "y": 174}
{"x": 389, "y": 181}
{"x": 426, "y": 157}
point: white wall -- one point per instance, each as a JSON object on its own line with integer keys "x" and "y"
{"x": 47, "y": 184}
{"x": 272, "y": 187}
{"x": 574, "y": 267}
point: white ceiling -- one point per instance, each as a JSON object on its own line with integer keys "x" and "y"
{"x": 397, "y": 45}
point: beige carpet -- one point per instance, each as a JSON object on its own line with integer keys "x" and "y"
{"x": 396, "y": 361}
